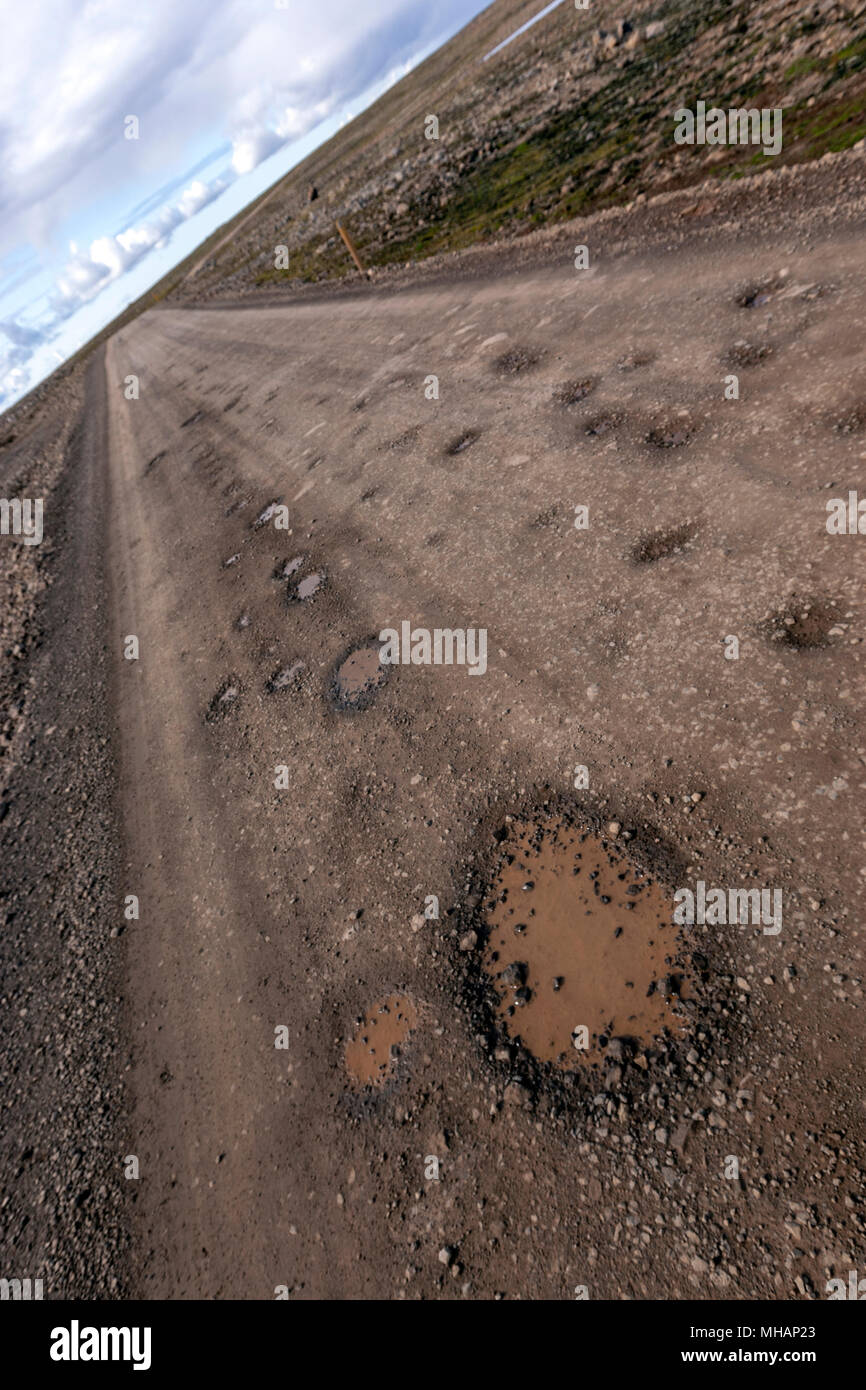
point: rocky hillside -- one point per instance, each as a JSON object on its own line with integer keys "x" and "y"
{"x": 573, "y": 115}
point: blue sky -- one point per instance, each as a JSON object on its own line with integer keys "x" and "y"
{"x": 228, "y": 95}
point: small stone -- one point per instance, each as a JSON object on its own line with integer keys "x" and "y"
{"x": 469, "y": 941}
{"x": 516, "y": 1093}
{"x": 613, "y": 828}
{"x": 514, "y": 974}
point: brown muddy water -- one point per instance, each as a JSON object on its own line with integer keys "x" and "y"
{"x": 359, "y": 674}
{"x": 309, "y": 586}
{"x": 579, "y": 937}
{"x": 372, "y": 1053}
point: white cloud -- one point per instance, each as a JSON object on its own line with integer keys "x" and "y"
{"x": 87, "y": 273}
{"x": 252, "y": 147}
{"x": 22, "y": 335}
{"x": 241, "y": 70}
{"x": 198, "y": 76}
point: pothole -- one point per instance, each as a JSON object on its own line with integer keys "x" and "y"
{"x": 671, "y": 432}
{"x": 358, "y": 676}
{"x": 744, "y": 354}
{"x": 605, "y": 423}
{"x": 192, "y": 419}
{"x": 307, "y": 587}
{"x": 461, "y": 442}
{"x": 579, "y": 938}
{"x": 573, "y": 392}
{"x": 265, "y": 515}
{"x": 516, "y": 360}
{"x": 286, "y": 568}
{"x": 224, "y": 700}
{"x": 157, "y": 458}
{"x": 804, "y": 624}
{"x": 286, "y": 676}
{"x": 633, "y": 360}
{"x": 757, "y": 294}
{"x": 372, "y": 1053}
{"x": 661, "y": 544}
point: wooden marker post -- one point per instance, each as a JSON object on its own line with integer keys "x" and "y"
{"x": 350, "y": 247}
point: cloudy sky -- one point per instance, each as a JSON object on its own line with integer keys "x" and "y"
{"x": 228, "y": 95}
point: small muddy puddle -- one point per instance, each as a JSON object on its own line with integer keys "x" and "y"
{"x": 308, "y": 587}
{"x": 358, "y": 676}
{"x": 372, "y": 1053}
{"x": 286, "y": 676}
{"x": 266, "y": 515}
{"x": 578, "y": 938}
{"x": 287, "y": 568}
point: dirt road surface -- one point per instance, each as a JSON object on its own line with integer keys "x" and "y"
{"x": 296, "y": 901}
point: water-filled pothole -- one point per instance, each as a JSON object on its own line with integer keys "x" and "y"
{"x": 286, "y": 676}
{"x": 284, "y": 569}
{"x": 358, "y": 676}
{"x": 266, "y": 514}
{"x": 372, "y": 1053}
{"x": 307, "y": 588}
{"x": 579, "y": 938}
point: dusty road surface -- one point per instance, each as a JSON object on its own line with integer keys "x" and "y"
{"x": 288, "y": 809}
